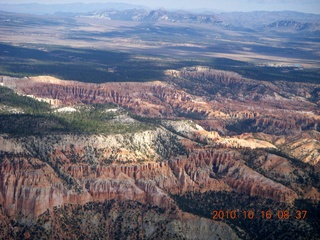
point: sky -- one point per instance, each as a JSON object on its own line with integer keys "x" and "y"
{"x": 309, "y": 6}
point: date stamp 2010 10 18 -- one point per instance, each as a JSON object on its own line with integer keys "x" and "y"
{"x": 250, "y": 214}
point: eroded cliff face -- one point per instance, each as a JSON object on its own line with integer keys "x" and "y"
{"x": 124, "y": 220}
{"x": 257, "y": 141}
{"x": 51, "y": 171}
{"x": 250, "y": 106}
{"x": 303, "y": 146}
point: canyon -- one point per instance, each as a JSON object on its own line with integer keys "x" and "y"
{"x": 123, "y": 122}
{"x": 265, "y": 149}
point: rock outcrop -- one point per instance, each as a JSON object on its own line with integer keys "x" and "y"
{"x": 256, "y": 141}
{"x": 263, "y": 104}
{"x": 42, "y": 176}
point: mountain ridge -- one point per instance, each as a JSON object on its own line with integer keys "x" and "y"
{"x": 262, "y": 19}
{"x": 43, "y": 9}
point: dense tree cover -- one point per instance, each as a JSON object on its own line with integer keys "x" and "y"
{"x": 28, "y": 124}
{"x": 37, "y": 117}
{"x": 99, "y": 220}
{"x": 97, "y": 66}
{"x": 26, "y": 104}
{"x": 261, "y": 226}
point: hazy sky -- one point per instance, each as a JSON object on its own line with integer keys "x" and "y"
{"x": 312, "y": 6}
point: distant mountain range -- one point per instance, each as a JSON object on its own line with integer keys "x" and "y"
{"x": 154, "y": 16}
{"x": 278, "y": 21}
{"x": 43, "y": 9}
{"x": 284, "y": 21}
{"x": 294, "y": 25}
{"x": 268, "y": 19}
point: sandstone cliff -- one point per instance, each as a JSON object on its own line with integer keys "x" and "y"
{"x": 42, "y": 176}
{"x": 264, "y": 104}
{"x": 246, "y": 139}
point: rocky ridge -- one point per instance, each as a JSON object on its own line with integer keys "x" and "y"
{"x": 154, "y": 16}
{"x": 264, "y": 103}
{"x": 41, "y": 176}
{"x": 235, "y": 144}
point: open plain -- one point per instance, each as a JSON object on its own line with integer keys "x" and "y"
{"x": 140, "y": 124}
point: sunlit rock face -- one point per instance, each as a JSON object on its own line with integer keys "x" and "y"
{"x": 258, "y": 140}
